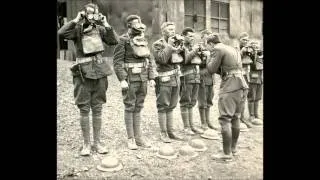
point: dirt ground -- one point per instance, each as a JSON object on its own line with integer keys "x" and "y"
{"x": 143, "y": 163}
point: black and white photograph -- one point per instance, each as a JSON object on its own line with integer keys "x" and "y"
{"x": 160, "y": 89}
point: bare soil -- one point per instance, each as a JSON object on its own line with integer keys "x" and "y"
{"x": 143, "y": 163}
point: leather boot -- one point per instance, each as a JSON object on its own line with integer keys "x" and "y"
{"x": 185, "y": 120}
{"x": 256, "y": 120}
{"x": 235, "y": 137}
{"x": 226, "y": 142}
{"x": 128, "y": 118}
{"x": 96, "y": 125}
{"x": 162, "y": 118}
{"x": 202, "y": 113}
{"x": 192, "y": 125}
{"x": 170, "y": 129}
{"x": 137, "y": 131}
{"x": 210, "y": 125}
{"x": 243, "y": 119}
{"x": 256, "y": 108}
{"x": 226, "y": 138}
{"x": 85, "y": 127}
{"x": 251, "y": 110}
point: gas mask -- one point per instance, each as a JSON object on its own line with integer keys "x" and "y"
{"x": 95, "y": 18}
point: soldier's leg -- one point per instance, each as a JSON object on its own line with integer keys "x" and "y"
{"x": 210, "y": 94}
{"x": 129, "y": 100}
{"x": 85, "y": 128}
{"x": 171, "y": 133}
{"x": 141, "y": 95}
{"x": 169, "y": 114}
{"x": 163, "y": 102}
{"x": 98, "y": 98}
{"x": 82, "y": 100}
{"x": 239, "y": 97}
{"x": 227, "y": 108}
{"x": 257, "y": 120}
{"x": 184, "y": 101}
{"x": 194, "y": 88}
{"x": 202, "y": 104}
{"x": 243, "y": 107}
{"x": 257, "y": 99}
{"x": 251, "y": 97}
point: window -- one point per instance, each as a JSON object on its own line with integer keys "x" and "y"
{"x": 220, "y": 16}
{"x": 195, "y": 14}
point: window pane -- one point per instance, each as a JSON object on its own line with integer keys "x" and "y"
{"x": 214, "y": 9}
{"x": 188, "y": 6}
{"x": 200, "y": 7}
{"x": 224, "y": 24}
{"x": 224, "y": 10}
{"x": 188, "y": 21}
{"x": 215, "y": 23}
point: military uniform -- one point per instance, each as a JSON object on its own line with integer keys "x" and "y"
{"x": 226, "y": 61}
{"x": 190, "y": 81}
{"x": 205, "y": 96}
{"x": 89, "y": 76}
{"x": 167, "y": 87}
{"x": 246, "y": 58}
{"x": 255, "y": 84}
{"x": 136, "y": 71}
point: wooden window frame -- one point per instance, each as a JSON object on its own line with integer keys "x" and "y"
{"x": 219, "y": 18}
{"x": 202, "y": 16}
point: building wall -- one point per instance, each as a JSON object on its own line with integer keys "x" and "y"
{"x": 246, "y": 15}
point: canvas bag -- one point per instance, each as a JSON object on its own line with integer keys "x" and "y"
{"x": 92, "y": 42}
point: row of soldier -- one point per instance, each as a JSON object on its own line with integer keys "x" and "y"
{"x": 176, "y": 66}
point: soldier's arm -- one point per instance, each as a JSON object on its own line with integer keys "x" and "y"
{"x": 161, "y": 53}
{"x": 215, "y": 61}
{"x": 109, "y": 36}
{"x": 68, "y": 30}
{"x": 118, "y": 60}
{"x": 151, "y": 68}
{"x": 243, "y": 51}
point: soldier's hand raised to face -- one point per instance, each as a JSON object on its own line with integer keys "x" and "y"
{"x": 124, "y": 85}
{"x": 79, "y": 17}
{"x": 171, "y": 41}
{"x": 104, "y": 21}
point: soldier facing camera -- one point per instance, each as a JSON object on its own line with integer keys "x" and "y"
{"x": 133, "y": 69}
{"x": 90, "y": 71}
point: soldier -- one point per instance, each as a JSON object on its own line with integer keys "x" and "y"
{"x": 88, "y": 30}
{"x": 132, "y": 67}
{"x": 256, "y": 83}
{"x": 226, "y": 61}
{"x": 167, "y": 56}
{"x": 190, "y": 81}
{"x": 246, "y": 55}
{"x": 206, "y": 91}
